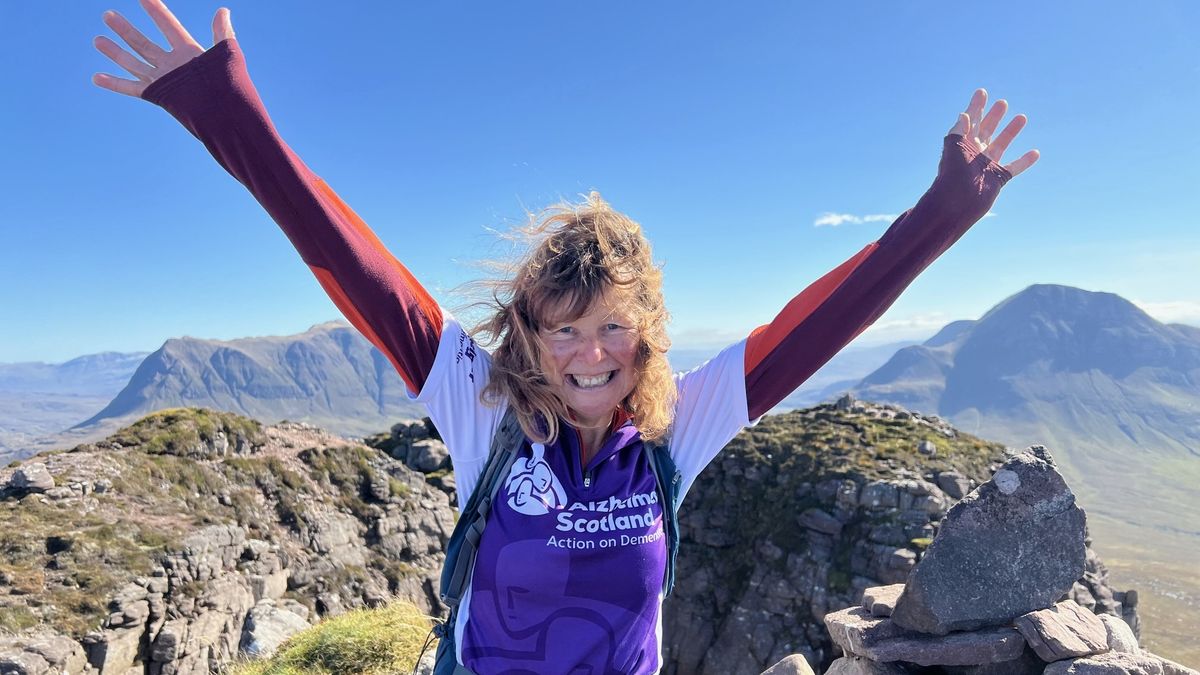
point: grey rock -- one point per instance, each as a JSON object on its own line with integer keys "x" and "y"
{"x": 60, "y": 652}
{"x": 32, "y": 478}
{"x": 927, "y": 448}
{"x": 881, "y": 600}
{"x": 999, "y": 554}
{"x": 954, "y": 484}
{"x": 856, "y": 631}
{"x": 1027, "y": 664}
{"x": 23, "y": 663}
{"x": 1063, "y": 631}
{"x": 428, "y": 456}
{"x": 1120, "y": 635}
{"x": 857, "y": 665}
{"x": 267, "y": 627}
{"x": 116, "y": 650}
{"x": 791, "y": 665}
{"x": 879, "y": 494}
{"x": 816, "y": 519}
{"x": 987, "y": 645}
{"x": 60, "y": 492}
{"x": 1111, "y": 663}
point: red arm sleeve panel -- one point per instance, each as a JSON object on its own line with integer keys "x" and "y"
{"x": 212, "y": 96}
{"x": 831, "y": 312}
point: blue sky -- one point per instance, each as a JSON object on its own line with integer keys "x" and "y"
{"x": 726, "y": 129}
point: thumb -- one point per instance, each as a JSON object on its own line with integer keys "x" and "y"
{"x": 222, "y": 26}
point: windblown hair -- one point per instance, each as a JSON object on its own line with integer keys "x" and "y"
{"x": 577, "y": 255}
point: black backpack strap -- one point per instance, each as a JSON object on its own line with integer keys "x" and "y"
{"x": 464, "y": 542}
{"x": 668, "y": 481}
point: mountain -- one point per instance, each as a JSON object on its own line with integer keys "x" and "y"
{"x": 1058, "y": 361}
{"x": 100, "y": 374}
{"x": 38, "y": 399}
{"x": 1114, "y": 391}
{"x": 328, "y": 375}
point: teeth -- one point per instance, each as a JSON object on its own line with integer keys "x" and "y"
{"x": 588, "y": 382}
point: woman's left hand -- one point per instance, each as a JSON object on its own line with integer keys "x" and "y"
{"x": 977, "y": 129}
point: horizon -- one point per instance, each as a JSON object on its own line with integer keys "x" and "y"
{"x": 910, "y": 332}
{"x": 758, "y": 148}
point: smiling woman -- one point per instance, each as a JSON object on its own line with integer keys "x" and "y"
{"x": 579, "y": 337}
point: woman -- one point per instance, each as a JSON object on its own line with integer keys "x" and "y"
{"x": 570, "y": 567}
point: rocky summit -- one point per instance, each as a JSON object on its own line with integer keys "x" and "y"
{"x": 192, "y": 538}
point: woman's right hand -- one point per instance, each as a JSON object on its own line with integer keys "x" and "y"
{"x": 157, "y": 61}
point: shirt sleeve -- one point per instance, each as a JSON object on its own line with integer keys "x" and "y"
{"x": 451, "y": 395}
{"x": 709, "y": 411}
{"x": 213, "y": 97}
{"x": 832, "y": 311}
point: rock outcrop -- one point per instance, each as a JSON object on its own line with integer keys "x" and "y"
{"x": 803, "y": 513}
{"x": 958, "y": 611}
{"x": 194, "y": 537}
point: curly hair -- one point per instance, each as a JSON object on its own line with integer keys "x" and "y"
{"x": 577, "y": 255}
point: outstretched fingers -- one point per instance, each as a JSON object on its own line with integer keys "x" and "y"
{"x": 177, "y": 36}
{"x": 1024, "y": 162}
{"x": 122, "y": 58}
{"x": 133, "y": 37}
{"x": 119, "y": 85}
{"x": 995, "y": 149}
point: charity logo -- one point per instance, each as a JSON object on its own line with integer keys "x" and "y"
{"x": 532, "y": 488}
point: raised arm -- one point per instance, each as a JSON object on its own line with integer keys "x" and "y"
{"x": 832, "y": 311}
{"x": 211, "y": 94}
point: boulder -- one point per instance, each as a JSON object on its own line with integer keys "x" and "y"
{"x": 267, "y": 627}
{"x": 23, "y": 663}
{"x": 792, "y": 665}
{"x": 1120, "y": 635}
{"x": 32, "y": 478}
{"x": 816, "y": 519}
{"x": 428, "y": 456}
{"x": 954, "y": 484}
{"x": 1063, "y": 631}
{"x": 881, "y": 600}
{"x": 856, "y": 631}
{"x": 987, "y": 645}
{"x": 1013, "y": 546}
{"x": 1118, "y": 663}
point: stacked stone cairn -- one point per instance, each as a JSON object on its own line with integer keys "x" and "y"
{"x": 992, "y": 594}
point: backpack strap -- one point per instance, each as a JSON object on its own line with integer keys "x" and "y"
{"x": 464, "y": 542}
{"x": 668, "y": 481}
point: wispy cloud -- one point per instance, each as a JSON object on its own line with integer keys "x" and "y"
{"x": 1174, "y": 311}
{"x": 831, "y": 219}
{"x": 912, "y": 327}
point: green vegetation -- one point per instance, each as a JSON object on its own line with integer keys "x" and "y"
{"x": 189, "y": 432}
{"x": 380, "y": 641}
{"x": 70, "y": 563}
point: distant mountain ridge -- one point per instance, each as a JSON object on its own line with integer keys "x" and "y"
{"x": 328, "y": 375}
{"x": 1060, "y": 362}
{"x": 98, "y": 374}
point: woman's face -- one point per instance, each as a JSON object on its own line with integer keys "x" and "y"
{"x": 591, "y": 361}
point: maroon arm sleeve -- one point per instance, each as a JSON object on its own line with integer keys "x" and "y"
{"x": 832, "y": 311}
{"x": 212, "y": 96}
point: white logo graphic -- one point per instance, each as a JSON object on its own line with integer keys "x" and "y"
{"x": 532, "y": 488}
